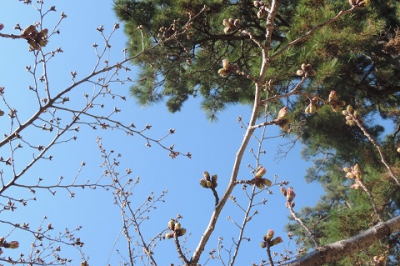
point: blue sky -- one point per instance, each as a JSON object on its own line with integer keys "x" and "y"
{"x": 213, "y": 146}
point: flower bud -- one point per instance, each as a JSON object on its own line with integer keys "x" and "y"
{"x": 276, "y": 241}
{"x": 260, "y": 185}
{"x": 13, "y": 244}
{"x": 267, "y": 182}
{"x": 350, "y": 175}
{"x": 260, "y": 172}
{"x": 226, "y": 23}
{"x": 349, "y": 108}
{"x": 312, "y": 109}
{"x": 269, "y": 235}
{"x": 223, "y": 73}
{"x": 357, "y": 171}
{"x": 290, "y": 195}
{"x": 307, "y": 111}
{"x": 203, "y": 183}
{"x": 169, "y": 235}
{"x": 263, "y": 244}
{"x": 283, "y": 191}
{"x": 177, "y": 226}
{"x": 226, "y": 64}
{"x": 171, "y": 224}
{"x": 180, "y": 232}
{"x": 227, "y": 30}
{"x": 206, "y": 175}
{"x": 214, "y": 178}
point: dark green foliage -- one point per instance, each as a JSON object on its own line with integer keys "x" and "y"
{"x": 356, "y": 56}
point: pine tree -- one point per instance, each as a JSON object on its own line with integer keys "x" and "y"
{"x": 357, "y": 56}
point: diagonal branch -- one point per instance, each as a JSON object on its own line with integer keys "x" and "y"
{"x": 346, "y": 247}
{"x": 249, "y": 132}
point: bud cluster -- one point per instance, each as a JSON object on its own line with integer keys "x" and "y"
{"x": 259, "y": 181}
{"x": 227, "y": 68}
{"x": 230, "y": 25}
{"x": 313, "y": 107}
{"x": 354, "y": 173}
{"x": 35, "y": 38}
{"x": 5, "y": 244}
{"x": 209, "y": 181}
{"x": 290, "y": 195}
{"x": 263, "y": 8}
{"x": 268, "y": 241}
{"x": 359, "y": 3}
{"x": 351, "y": 115}
{"x": 380, "y": 260}
{"x": 283, "y": 120}
{"x": 306, "y": 71}
{"x": 334, "y": 102}
{"x": 176, "y": 229}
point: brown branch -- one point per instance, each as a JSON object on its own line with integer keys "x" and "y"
{"x": 371, "y": 198}
{"x": 302, "y": 224}
{"x": 249, "y": 132}
{"x": 179, "y": 250}
{"x": 246, "y": 219}
{"x": 215, "y": 195}
{"x": 271, "y": 262}
{"x": 376, "y": 145}
{"x": 340, "y": 249}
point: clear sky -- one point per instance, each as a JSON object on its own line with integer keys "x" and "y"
{"x": 212, "y": 145}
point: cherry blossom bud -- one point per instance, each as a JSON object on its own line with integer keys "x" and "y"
{"x": 357, "y": 171}
{"x": 14, "y": 244}
{"x": 206, "y": 175}
{"x": 171, "y": 224}
{"x": 267, "y": 182}
{"x": 180, "y": 232}
{"x": 276, "y": 241}
{"x": 260, "y": 172}
{"x": 169, "y": 235}
{"x": 290, "y": 194}
{"x": 177, "y": 226}
{"x": 346, "y": 169}
{"x": 283, "y": 191}
{"x": 269, "y": 235}
{"x": 203, "y": 183}
{"x": 350, "y": 175}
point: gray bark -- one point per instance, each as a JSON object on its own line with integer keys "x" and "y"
{"x": 343, "y": 248}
